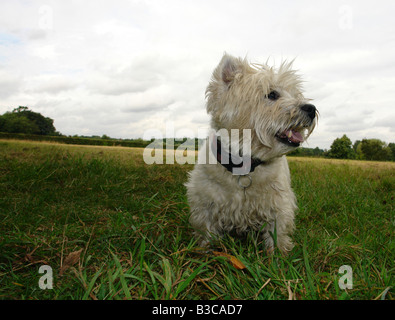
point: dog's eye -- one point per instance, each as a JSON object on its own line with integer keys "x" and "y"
{"x": 273, "y": 95}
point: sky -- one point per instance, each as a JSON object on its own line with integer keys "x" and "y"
{"x": 127, "y": 68}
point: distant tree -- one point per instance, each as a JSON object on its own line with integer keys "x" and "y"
{"x": 307, "y": 152}
{"x": 375, "y": 149}
{"x": 392, "y": 148}
{"x": 317, "y": 151}
{"x": 355, "y": 145}
{"x": 357, "y": 150}
{"x": 11, "y": 123}
{"x": 44, "y": 124}
{"x": 23, "y": 120}
{"x": 104, "y": 136}
{"x": 341, "y": 148}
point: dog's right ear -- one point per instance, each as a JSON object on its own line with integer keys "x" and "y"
{"x": 229, "y": 67}
{"x": 228, "y": 70}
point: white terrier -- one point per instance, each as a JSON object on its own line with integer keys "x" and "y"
{"x": 237, "y": 189}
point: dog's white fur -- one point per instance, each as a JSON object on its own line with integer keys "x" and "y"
{"x": 237, "y": 98}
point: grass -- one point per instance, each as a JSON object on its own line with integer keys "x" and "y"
{"x": 112, "y": 227}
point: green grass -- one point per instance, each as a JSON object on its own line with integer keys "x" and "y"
{"x": 131, "y": 222}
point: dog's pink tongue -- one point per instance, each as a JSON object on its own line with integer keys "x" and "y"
{"x": 294, "y": 136}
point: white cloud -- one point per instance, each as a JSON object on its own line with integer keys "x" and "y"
{"x": 122, "y": 67}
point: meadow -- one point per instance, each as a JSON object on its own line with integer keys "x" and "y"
{"x": 112, "y": 227}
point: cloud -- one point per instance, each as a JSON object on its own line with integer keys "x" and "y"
{"x": 9, "y": 85}
{"x": 146, "y": 108}
{"x": 51, "y": 84}
{"x": 120, "y": 80}
{"x": 386, "y": 122}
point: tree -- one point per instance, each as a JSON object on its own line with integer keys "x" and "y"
{"x": 374, "y": 149}
{"x": 341, "y": 148}
{"x": 392, "y": 147}
{"x": 357, "y": 150}
{"x": 307, "y": 152}
{"x": 14, "y": 124}
{"x": 44, "y": 124}
{"x": 23, "y": 120}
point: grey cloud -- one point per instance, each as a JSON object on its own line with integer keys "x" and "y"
{"x": 9, "y": 86}
{"x": 36, "y": 34}
{"x": 55, "y": 86}
{"x": 128, "y": 80}
{"x": 387, "y": 122}
{"x": 147, "y": 108}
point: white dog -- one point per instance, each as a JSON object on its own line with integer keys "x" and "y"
{"x": 243, "y": 183}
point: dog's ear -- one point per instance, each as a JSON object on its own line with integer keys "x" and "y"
{"x": 224, "y": 75}
{"x": 229, "y": 68}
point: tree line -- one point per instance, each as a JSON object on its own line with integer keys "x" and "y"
{"x": 343, "y": 148}
{"x": 365, "y": 149}
{"x": 27, "y": 124}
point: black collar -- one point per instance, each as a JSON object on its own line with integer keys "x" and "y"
{"x": 244, "y": 164}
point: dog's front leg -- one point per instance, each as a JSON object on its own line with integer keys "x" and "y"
{"x": 284, "y": 229}
{"x": 206, "y": 229}
{"x": 267, "y": 234}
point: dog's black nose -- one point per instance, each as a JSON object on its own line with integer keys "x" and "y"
{"x": 309, "y": 109}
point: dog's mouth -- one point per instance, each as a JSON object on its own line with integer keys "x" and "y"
{"x": 290, "y": 137}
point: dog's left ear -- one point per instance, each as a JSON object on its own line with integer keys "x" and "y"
{"x": 230, "y": 67}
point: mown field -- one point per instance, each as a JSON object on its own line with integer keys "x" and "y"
{"x": 112, "y": 227}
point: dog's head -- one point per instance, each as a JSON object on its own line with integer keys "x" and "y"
{"x": 266, "y": 100}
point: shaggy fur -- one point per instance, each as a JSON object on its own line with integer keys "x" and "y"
{"x": 270, "y": 103}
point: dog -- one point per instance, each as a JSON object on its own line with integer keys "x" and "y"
{"x": 234, "y": 189}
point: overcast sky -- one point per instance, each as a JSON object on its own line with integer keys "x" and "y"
{"x": 123, "y": 67}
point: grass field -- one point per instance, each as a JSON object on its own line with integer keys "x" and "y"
{"x": 112, "y": 227}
